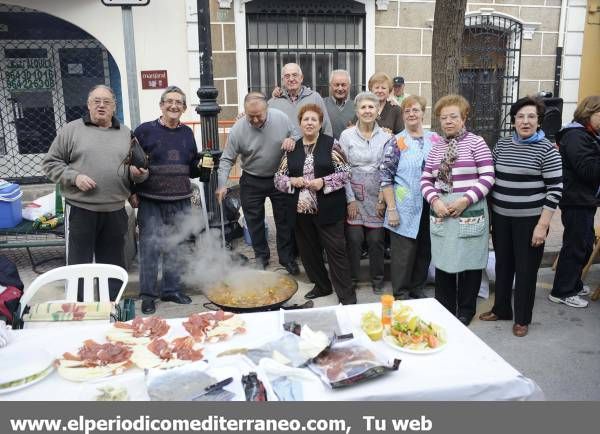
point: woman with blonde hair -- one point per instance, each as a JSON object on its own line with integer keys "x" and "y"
{"x": 388, "y": 116}
{"x": 458, "y": 175}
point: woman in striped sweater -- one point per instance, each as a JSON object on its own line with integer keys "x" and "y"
{"x": 458, "y": 174}
{"x": 528, "y": 188}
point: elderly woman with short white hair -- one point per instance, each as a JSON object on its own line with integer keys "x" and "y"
{"x": 363, "y": 145}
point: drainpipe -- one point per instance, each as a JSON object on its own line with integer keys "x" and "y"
{"x": 559, "y": 49}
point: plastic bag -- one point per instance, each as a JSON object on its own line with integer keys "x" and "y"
{"x": 349, "y": 364}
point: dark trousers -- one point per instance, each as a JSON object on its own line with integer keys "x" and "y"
{"x": 312, "y": 238}
{"x": 516, "y": 260}
{"x": 96, "y": 236}
{"x": 578, "y": 244}
{"x": 253, "y": 192}
{"x": 157, "y": 221}
{"x": 355, "y": 236}
{"x": 411, "y": 258}
{"x": 460, "y": 301}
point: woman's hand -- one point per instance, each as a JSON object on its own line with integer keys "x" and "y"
{"x": 458, "y": 206}
{"x": 315, "y": 184}
{"x": 440, "y": 208}
{"x": 380, "y": 208}
{"x": 352, "y": 209}
{"x": 298, "y": 182}
{"x": 393, "y": 217}
{"x": 540, "y": 232}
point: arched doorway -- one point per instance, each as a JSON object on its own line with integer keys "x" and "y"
{"x": 50, "y": 65}
{"x": 489, "y": 73}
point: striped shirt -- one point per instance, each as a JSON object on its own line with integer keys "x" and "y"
{"x": 472, "y": 173}
{"x": 528, "y": 178}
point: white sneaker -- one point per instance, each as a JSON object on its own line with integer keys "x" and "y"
{"x": 573, "y": 301}
{"x": 585, "y": 291}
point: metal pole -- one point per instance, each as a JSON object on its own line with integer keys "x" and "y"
{"x": 130, "y": 66}
{"x": 208, "y": 108}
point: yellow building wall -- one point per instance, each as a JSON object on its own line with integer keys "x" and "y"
{"x": 590, "y": 60}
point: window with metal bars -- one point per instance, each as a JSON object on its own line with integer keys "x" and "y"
{"x": 320, "y": 36}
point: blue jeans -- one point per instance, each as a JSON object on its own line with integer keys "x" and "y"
{"x": 157, "y": 222}
{"x": 578, "y": 243}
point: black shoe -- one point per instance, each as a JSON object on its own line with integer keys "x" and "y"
{"x": 176, "y": 297}
{"x": 262, "y": 263}
{"x": 316, "y": 293}
{"x": 148, "y": 306}
{"x": 377, "y": 288}
{"x": 402, "y": 295}
{"x": 292, "y": 268}
{"x": 465, "y": 320}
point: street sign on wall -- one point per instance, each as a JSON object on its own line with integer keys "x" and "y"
{"x": 154, "y": 79}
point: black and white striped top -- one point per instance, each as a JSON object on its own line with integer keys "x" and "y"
{"x": 528, "y": 178}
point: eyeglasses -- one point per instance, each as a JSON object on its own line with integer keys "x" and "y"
{"x": 101, "y": 101}
{"x": 175, "y": 102}
{"x": 413, "y": 111}
{"x": 293, "y": 75}
{"x": 452, "y": 117}
{"x": 523, "y": 116}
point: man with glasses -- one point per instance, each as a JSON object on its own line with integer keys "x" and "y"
{"x": 86, "y": 158}
{"x": 295, "y": 95}
{"x": 163, "y": 198}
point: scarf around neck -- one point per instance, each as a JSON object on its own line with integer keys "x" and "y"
{"x": 537, "y": 137}
{"x": 444, "y": 176}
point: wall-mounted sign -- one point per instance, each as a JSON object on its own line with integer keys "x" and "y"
{"x": 154, "y": 79}
{"x": 28, "y": 73}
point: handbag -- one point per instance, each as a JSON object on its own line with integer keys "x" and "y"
{"x": 136, "y": 155}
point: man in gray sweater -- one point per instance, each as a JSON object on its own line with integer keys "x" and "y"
{"x": 86, "y": 158}
{"x": 295, "y": 95}
{"x": 260, "y": 138}
{"x": 339, "y": 107}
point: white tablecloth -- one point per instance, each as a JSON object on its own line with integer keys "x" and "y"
{"x": 466, "y": 369}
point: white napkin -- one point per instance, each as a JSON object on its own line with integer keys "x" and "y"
{"x": 6, "y": 336}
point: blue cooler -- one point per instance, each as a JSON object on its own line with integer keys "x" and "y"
{"x": 10, "y": 205}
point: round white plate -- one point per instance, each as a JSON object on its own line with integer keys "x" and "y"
{"x": 47, "y": 372}
{"x": 391, "y": 342}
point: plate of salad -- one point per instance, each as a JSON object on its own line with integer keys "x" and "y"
{"x": 411, "y": 334}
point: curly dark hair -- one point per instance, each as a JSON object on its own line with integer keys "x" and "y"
{"x": 539, "y": 105}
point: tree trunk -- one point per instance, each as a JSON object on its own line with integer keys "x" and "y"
{"x": 448, "y": 27}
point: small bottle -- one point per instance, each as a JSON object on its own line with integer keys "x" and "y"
{"x": 387, "y": 303}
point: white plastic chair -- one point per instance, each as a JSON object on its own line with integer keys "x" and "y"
{"x": 71, "y": 274}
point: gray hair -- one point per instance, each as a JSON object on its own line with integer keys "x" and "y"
{"x": 173, "y": 89}
{"x": 288, "y": 65}
{"x": 340, "y": 72}
{"x": 369, "y": 96}
{"x": 102, "y": 86}
{"x": 255, "y": 96}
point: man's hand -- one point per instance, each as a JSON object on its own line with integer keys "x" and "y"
{"x": 458, "y": 206}
{"x": 84, "y": 182}
{"x": 316, "y": 184}
{"x": 392, "y": 100}
{"x": 352, "y": 209}
{"x": 134, "y": 200}
{"x": 288, "y": 145}
{"x": 137, "y": 172}
{"x": 277, "y": 92}
{"x": 221, "y": 193}
{"x": 298, "y": 182}
{"x": 439, "y": 208}
{"x": 387, "y": 130}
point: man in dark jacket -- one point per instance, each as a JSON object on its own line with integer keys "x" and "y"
{"x": 579, "y": 144}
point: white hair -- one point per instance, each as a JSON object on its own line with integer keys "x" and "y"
{"x": 340, "y": 72}
{"x": 287, "y": 65}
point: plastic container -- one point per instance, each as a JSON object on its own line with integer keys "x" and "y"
{"x": 10, "y": 206}
{"x": 387, "y": 304}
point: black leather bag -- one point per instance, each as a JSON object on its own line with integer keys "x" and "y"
{"x": 136, "y": 156}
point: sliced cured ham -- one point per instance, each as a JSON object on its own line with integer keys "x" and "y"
{"x": 163, "y": 354}
{"x": 95, "y": 360}
{"x": 213, "y": 327}
{"x": 139, "y": 331}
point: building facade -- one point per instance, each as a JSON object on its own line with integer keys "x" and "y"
{"x": 52, "y": 52}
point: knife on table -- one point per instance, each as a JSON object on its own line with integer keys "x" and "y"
{"x": 212, "y": 388}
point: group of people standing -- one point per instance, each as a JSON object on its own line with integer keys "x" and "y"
{"x": 341, "y": 174}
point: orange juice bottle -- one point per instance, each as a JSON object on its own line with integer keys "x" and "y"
{"x": 387, "y": 303}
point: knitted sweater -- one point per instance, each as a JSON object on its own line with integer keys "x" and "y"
{"x": 472, "y": 173}
{"x": 291, "y": 108}
{"x": 82, "y": 148}
{"x": 173, "y": 161}
{"x": 528, "y": 178}
{"x": 340, "y": 116}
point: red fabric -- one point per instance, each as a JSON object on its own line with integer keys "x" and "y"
{"x": 10, "y": 294}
